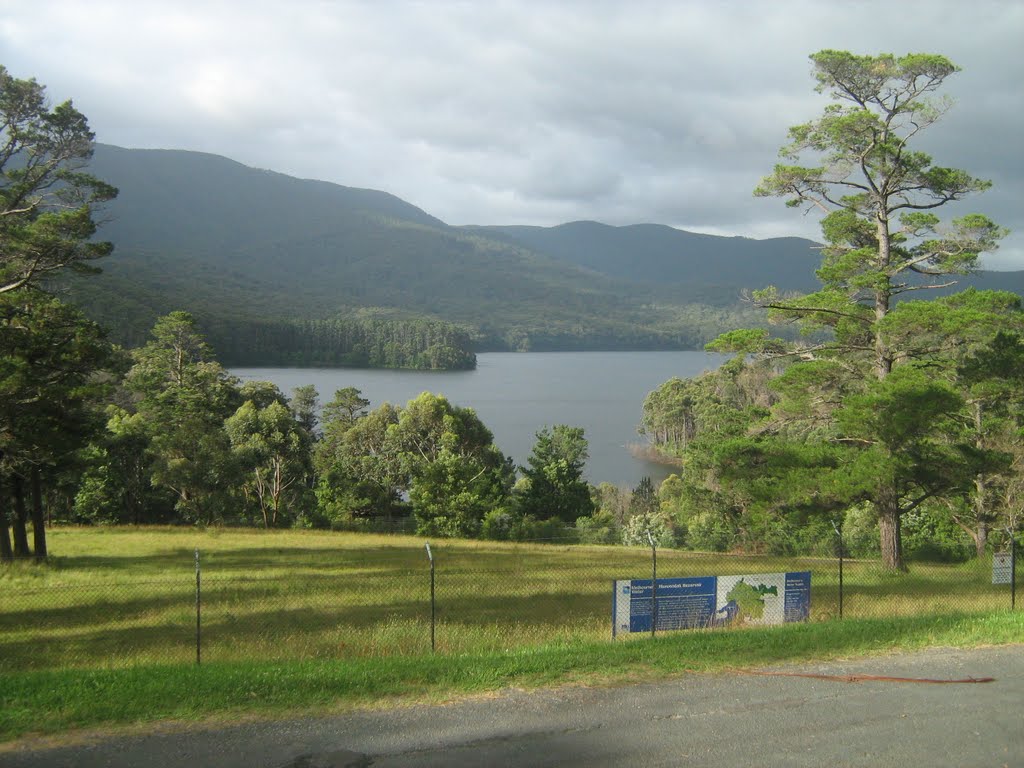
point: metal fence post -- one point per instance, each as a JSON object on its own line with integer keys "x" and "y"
{"x": 654, "y": 584}
{"x": 1013, "y": 571}
{"x": 839, "y": 535}
{"x": 433, "y": 613}
{"x": 199, "y": 605}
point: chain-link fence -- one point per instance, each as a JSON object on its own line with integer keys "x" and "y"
{"x": 296, "y": 603}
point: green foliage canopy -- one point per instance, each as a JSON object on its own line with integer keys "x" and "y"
{"x": 183, "y": 397}
{"x": 555, "y": 486}
{"x": 866, "y": 407}
{"x": 47, "y": 201}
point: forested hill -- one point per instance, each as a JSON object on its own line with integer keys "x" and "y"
{"x": 714, "y": 268}
{"x": 655, "y": 253}
{"x": 226, "y": 205}
{"x": 205, "y": 234}
{"x": 255, "y": 255}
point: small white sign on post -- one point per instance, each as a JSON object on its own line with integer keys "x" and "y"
{"x": 1002, "y": 568}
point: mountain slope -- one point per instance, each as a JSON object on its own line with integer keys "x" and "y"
{"x": 224, "y": 204}
{"x": 235, "y": 244}
{"x": 210, "y": 235}
{"x": 655, "y": 253}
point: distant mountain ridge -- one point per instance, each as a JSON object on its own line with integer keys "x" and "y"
{"x": 151, "y": 205}
{"x": 657, "y": 253}
{"x": 235, "y": 244}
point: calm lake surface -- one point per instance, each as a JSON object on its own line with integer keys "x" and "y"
{"x": 517, "y": 393}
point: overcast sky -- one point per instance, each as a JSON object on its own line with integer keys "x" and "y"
{"x": 522, "y": 112}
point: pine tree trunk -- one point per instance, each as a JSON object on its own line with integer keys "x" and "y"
{"x": 38, "y": 519}
{"x": 981, "y": 514}
{"x": 981, "y": 540}
{"x": 889, "y": 530}
{"x": 886, "y": 500}
{"x": 883, "y": 296}
{"x": 6, "y": 552}
{"x": 20, "y": 519}
{"x": 980, "y": 535}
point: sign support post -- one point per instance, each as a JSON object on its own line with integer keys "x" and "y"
{"x": 199, "y": 606}
{"x": 433, "y": 614}
{"x": 1013, "y": 571}
{"x": 839, "y": 535}
{"x": 654, "y": 584}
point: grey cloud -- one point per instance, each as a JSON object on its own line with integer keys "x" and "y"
{"x": 522, "y": 112}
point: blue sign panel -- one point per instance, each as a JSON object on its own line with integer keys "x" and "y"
{"x": 710, "y": 601}
{"x": 797, "y": 604}
{"x": 681, "y": 603}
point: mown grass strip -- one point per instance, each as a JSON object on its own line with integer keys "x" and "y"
{"x": 49, "y": 702}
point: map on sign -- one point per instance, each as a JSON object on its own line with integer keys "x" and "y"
{"x": 710, "y": 601}
{"x": 747, "y": 601}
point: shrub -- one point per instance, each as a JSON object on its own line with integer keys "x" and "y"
{"x": 658, "y": 525}
{"x": 598, "y": 528}
{"x": 709, "y": 531}
{"x": 932, "y": 536}
{"x": 497, "y": 525}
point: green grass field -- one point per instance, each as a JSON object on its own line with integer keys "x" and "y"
{"x": 117, "y": 597}
{"x": 302, "y": 622}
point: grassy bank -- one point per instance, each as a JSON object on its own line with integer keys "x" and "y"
{"x": 50, "y": 702}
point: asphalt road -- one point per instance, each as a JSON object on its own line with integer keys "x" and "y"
{"x": 729, "y": 720}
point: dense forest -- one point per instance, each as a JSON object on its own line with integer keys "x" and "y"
{"x": 165, "y": 434}
{"x": 354, "y": 342}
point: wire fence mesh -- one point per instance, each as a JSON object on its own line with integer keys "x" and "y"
{"x": 301, "y": 604}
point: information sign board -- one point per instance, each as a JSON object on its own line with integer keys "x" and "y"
{"x": 710, "y": 601}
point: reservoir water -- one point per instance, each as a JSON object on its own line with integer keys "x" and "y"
{"x": 517, "y": 393}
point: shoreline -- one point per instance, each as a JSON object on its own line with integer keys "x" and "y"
{"x": 650, "y": 453}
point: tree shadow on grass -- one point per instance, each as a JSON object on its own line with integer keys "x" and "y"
{"x": 97, "y": 607}
{"x": 236, "y": 621}
{"x": 107, "y": 646}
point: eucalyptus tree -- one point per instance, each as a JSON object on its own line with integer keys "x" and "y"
{"x": 647, "y": 521}
{"x": 722, "y": 402}
{"x": 358, "y": 473}
{"x": 304, "y": 404}
{"x": 115, "y": 485}
{"x": 273, "y": 455}
{"x": 183, "y": 397}
{"x": 439, "y": 455}
{"x": 262, "y": 394}
{"x": 882, "y": 240}
{"x": 455, "y": 473}
{"x": 701, "y": 417}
